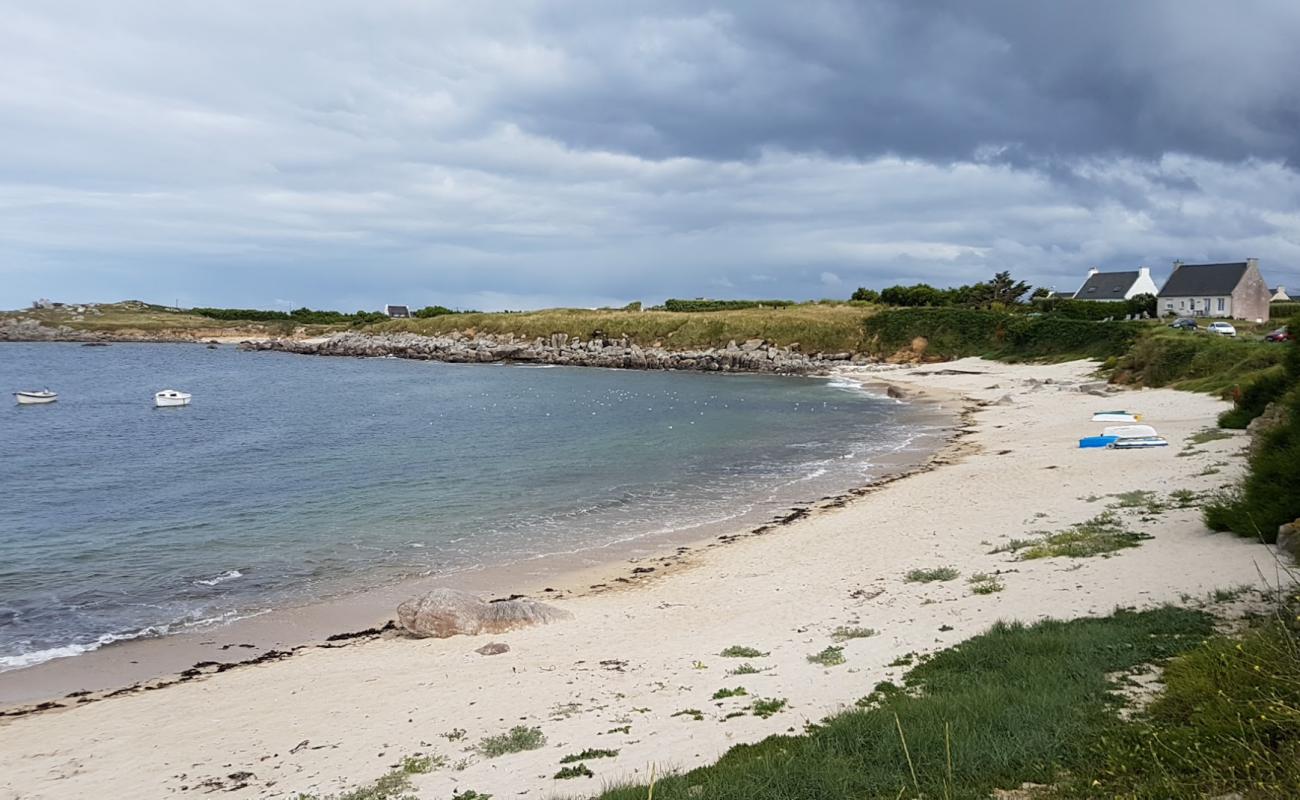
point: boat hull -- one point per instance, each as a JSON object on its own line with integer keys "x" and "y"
{"x": 28, "y": 399}
{"x": 171, "y": 402}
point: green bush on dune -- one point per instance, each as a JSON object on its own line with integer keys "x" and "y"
{"x": 1269, "y": 495}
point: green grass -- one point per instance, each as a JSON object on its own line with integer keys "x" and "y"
{"x": 844, "y": 634}
{"x": 1016, "y": 704}
{"x": 830, "y": 657}
{"x": 1227, "y": 724}
{"x": 984, "y": 583}
{"x": 1209, "y": 435}
{"x": 723, "y": 694}
{"x": 814, "y": 327}
{"x": 747, "y": 669}
{"x": 741, "y": 651}
{"x": 767, "y": 707}
{"x": 574, "y": 771}
{"x": 588, "y": 754}
{"x": 1102, "y": 534}
{"x": 516, "y": 740}
{"x": 1195, "y": 362}
{"x": 932, "y": 575}
{"x": 693, "y": 713}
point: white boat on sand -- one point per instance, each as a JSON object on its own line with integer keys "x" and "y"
{"x": 1116, "y": 416}
{"x": 170, "y": 398}
{"x": 1130, "y": 431}
{"x": 36, "y": 398}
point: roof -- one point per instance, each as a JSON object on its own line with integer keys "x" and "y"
{"x": 1197, "y": 280}
{"x": 1107, "y": 286}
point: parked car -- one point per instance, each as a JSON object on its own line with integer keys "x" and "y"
{"x": 1280, "y": 335}
{"x": 1184, "y": 324}
{"x": 1222, "y": 328}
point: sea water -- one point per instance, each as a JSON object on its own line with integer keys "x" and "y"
{"x": 292, "y": 479}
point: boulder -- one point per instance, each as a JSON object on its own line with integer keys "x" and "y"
{"x": 1288, "y": 539}
{"x": 448, "y": 612}
{"x": 493, "y": 649}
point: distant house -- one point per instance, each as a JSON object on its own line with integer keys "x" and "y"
{"x": 1234, "y": 290}
{"x": 1116, "y": 285}
{"x": 398, "y": 312}
{"x": 1279, "y": 295}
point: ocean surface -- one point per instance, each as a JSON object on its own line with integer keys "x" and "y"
{"x": 292, "y": 479}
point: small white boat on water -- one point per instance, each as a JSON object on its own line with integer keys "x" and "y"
{"x": 36, "y": 398}
{"x": 170, "y": 398}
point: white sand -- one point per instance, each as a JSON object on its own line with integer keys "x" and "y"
{"x": 360, "y": 709}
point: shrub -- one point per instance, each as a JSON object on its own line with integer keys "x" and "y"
{"x": 830, "y": 657}
{"x": 517, "y": 740}
{"x": 959, "y": 332}
{"x": 722, "y": 305}
{"x": 741, "y": 651}
{"x": 931, "y": 575}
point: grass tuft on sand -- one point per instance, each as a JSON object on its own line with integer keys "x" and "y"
{"x": 516, "y": 740}
{"x": 932, "y": 575}
{"x": 1102, "y": 534}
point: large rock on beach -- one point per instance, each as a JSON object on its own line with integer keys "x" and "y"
{"x": 448, "y": 612}
{"x": 1288, "y": 539}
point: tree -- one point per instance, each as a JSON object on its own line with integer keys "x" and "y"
{"x": 865, "y": 295}
{"x": 1005, "y": 289}
{"x": 1041, "y": 293}
{"x": 432, "y": 311}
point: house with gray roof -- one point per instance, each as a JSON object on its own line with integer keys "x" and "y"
{"x": 1116, "y": 285}
{"x": 1233, "y": 290}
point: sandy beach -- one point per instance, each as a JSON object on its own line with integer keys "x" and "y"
{"x": 635, "y": 655}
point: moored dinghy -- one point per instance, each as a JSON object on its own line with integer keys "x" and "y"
{"x": 36, "y": 398}
{"x": 170, "y": 398}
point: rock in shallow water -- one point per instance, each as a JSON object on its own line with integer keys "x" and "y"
{"x": 448, "y": 612}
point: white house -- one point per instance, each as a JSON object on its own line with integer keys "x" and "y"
{"x": 1116, "y": 285}
{"x": 1280, "y": 295}
{"x": 1232, "y": 290}
{"x": 397, "y": 312}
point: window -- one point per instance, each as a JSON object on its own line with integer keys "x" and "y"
{"x": 1220, "y": 303}
{"x": 1170, "y": 304}
{"x": 1182, "y": 304}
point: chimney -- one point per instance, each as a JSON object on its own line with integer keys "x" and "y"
{"x": 1144, "y": 272}
{"x": 1093, "y": 271}
{"x": 1252, "y": 262}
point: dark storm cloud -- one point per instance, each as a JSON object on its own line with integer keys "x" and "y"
{"x": 935, "y": 80}
{"x": 510, "y": 155}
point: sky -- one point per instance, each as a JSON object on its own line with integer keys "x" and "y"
{"x": 513, "y": 155}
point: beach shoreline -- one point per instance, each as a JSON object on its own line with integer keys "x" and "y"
{"x": 148, "y": 662}
{"x": 621, "y": 673}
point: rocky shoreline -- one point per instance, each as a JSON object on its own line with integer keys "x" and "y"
{"x": 754, "y": 355}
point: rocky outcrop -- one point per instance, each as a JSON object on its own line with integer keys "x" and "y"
{"x": 448, "y": 612}
{"x": 1288, "y": 539}
{"x": 753, "y": 356}
{"x": 30, "y": 330}
{"x": 1274, "y": 416}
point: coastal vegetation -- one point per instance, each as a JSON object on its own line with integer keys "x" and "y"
{"x": 516, "y": 740}
{"x": 1039, "y": 704}
{"x": 741, "y": 651}
{"x": 1103, "y": 534}
{"x": 1269, "y": 494}
{"x": 830, "y": 657}
{"x": 931, "y": 575}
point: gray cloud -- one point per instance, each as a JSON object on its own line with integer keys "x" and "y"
{"x": 506, "y": 156}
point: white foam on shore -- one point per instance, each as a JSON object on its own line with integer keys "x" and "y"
{"x": 34, "y": 657}
{"x": 228, "y": 575}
